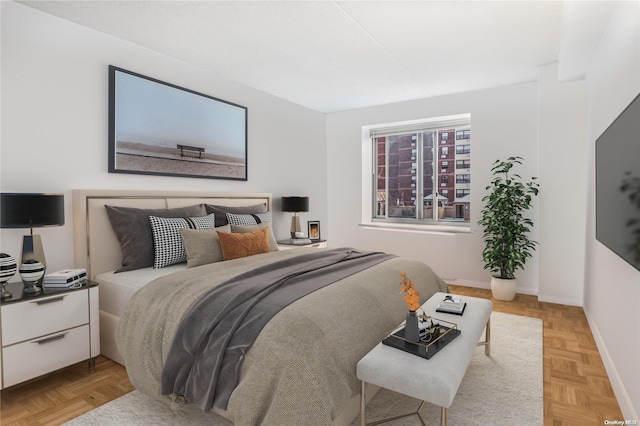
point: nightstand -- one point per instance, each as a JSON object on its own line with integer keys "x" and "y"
{"x": 286, "y": 244}
{"x": 45, "y": 332}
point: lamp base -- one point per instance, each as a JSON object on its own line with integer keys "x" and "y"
{"x": 295, "y": 225}
{"x": 32, "y": 250}
{"x": 31, "y": 287}
{"x": 5, "y": 294}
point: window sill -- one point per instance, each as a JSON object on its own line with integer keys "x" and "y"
{"x": 422, "y": 228}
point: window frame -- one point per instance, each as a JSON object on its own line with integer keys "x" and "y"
{"x": 436, "y": 127}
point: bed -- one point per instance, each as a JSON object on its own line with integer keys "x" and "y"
{"x": 300, "y": 369}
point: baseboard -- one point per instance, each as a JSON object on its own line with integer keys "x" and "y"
{"x": 486, "y": 285}
{"x": 629, "y": 412}
{"x": 468, "y": 283}
{"x": 559, "y": 300}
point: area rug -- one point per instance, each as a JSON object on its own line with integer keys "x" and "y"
{"x": 503, "y": 389}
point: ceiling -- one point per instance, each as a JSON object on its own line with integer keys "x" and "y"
{"x": 339, "y": 55}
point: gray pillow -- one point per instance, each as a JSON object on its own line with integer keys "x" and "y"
{"x": 273, "y": 243}
{"x": 221, "y": 211}
{"x": 202, "y": 246}
{"x": 133, "y": 230}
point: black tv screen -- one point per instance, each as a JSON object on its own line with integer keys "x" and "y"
{"x": 618, "y": 185}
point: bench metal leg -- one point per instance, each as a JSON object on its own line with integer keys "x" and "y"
{"x": 363, "y": 419}
{"x": 487, "y": 348}
{"x": 363, "y": 402}
{"x": 487, "y": 338}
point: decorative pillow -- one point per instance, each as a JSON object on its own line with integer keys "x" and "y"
{"x": 273, "y": 243}
{"x": 235, "y": 246}
{"x": 167, "y": 242}
{"x": 202, "y": 246}
{"x": 221, "y": 211}
{"x": 133, "y": 230}
{"x": 248, "y": 219}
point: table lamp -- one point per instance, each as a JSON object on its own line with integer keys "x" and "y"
{"x": 29, "y": 210}
{"x": 295, "y": 205}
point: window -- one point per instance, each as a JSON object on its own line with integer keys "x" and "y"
{"x": 463, "y": 149}
{"x": 463, "y": 134}
{"x": 463, "y": 164}
{"x": 463, "y": 178}
{"x": 460, "y": 193}
{"x": 414, "y": 181}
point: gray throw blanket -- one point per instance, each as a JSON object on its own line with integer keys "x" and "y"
{"x": 203, "y": 364}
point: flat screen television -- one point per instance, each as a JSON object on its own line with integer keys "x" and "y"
{"x": 618, "y": 185}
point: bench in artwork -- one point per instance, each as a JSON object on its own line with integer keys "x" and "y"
{"x": 188, "y": 148}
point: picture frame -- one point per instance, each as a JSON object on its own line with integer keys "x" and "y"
{"x": 313, "y": 230}
{"x": 158, "y": 128}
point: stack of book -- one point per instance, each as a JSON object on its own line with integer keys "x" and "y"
{"x": 451, "y": 305}
{"x": 301, "y": 241}
{"x": 67, "y": 278}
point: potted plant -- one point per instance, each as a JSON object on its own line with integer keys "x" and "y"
{"x": 507, "y": 245}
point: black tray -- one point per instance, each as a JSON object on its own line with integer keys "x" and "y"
{"x": 424, "y": 350}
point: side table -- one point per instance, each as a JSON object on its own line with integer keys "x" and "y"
{"x": 44, "y": 332}
{"x": 435, "y": 380}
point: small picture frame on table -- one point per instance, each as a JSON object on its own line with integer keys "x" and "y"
{"x": 314, "y": 230}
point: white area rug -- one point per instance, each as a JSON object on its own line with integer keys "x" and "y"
{"x": 503, "y": 389}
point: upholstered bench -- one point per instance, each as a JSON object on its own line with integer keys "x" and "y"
{"x": 435, "y": 380}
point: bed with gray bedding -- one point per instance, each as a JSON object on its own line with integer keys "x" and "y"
{"x": 300, "y": 369}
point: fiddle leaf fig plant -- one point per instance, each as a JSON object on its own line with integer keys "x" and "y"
{"x": 507, "y": 244}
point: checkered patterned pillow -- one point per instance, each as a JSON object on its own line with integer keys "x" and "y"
{"x": 248, "y": 219}
{"x": 167, "y": 242}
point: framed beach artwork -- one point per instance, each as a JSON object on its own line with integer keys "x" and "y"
{"x": 157, "y": 128}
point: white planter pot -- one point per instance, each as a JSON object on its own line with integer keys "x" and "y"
{"x": 503, "y": 289}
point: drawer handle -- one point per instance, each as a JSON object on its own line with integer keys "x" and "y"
{"x": 50, "y": 339}
{"x": 45, "y": 301}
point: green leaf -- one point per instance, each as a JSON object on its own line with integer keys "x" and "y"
{"x": 507, "y": 245}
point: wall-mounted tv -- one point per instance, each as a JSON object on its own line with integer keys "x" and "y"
{"x": 618, "y": 185}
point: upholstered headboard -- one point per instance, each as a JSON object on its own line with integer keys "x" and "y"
{"x": 96, "y": 246}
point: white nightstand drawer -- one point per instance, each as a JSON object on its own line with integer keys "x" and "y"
{"x": 286, "y": 245}
{"x": 31, "y": 359}
{"x": 321, "y": 244}
{"x": 44, "y": 315}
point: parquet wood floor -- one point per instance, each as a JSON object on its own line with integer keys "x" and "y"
{"x": 577, "y": 390}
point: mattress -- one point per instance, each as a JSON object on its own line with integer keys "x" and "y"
{"x": 117, "y": 289}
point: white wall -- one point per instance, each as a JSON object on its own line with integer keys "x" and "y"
{"x": 612, "y": 286}
{"x": 563, "y": 195}
{"x": 55, "y": 123}
{"x": 504, "y": 123}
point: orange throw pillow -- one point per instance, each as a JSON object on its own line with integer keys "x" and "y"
{"x": 235, "y": 246}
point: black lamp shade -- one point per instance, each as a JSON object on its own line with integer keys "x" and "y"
{"x": 295, "y": 204}
{"x": 22, "y": 210}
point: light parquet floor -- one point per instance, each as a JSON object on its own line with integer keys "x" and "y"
{"x": 577, "y": 390}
